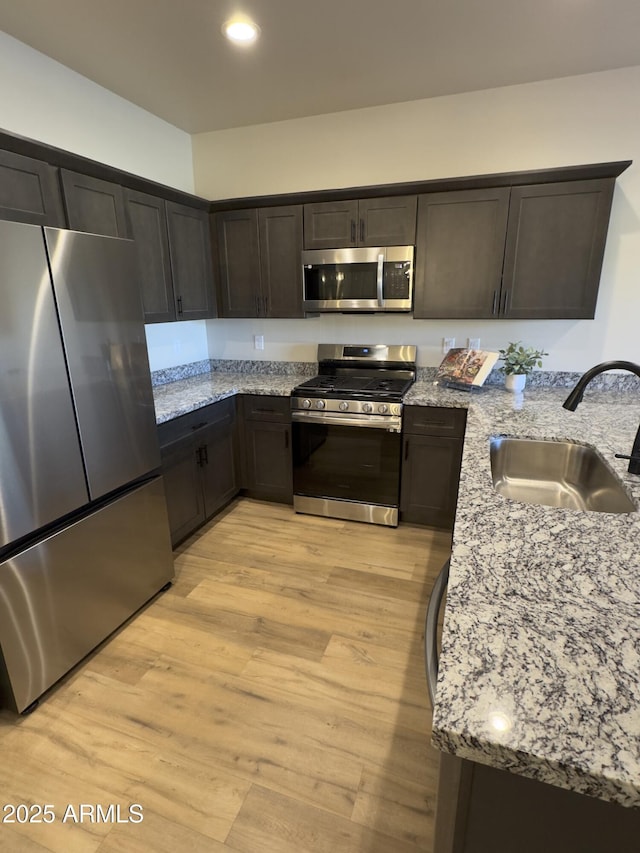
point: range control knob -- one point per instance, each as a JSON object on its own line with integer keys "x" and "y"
{"x": 343, "y": 405}
{"x": 320, "y": 404}
{"x": 383, "y": 408}
{"x": 306, "y": 404}
{"x": 396, "y": 410}
{"x": 367, "y": 407}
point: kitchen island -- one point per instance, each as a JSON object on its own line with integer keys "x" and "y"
{"x": 540, "y": 661}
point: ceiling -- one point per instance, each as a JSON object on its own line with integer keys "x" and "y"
{"x": 319, "y": 56}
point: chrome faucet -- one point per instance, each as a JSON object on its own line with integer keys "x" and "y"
{"x": 575, "y": 397}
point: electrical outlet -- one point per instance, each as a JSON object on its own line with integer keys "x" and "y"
{"x": 258, "y": 341}
{"x": 447, "y": 344}
{"x": 473, "y": 343}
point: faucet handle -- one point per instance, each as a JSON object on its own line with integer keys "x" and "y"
{"x": 623, "y": 456}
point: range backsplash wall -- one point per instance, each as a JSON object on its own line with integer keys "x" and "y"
{"x": 587, "y": 119}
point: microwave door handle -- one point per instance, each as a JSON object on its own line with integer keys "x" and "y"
{"x": 379, "y": 279}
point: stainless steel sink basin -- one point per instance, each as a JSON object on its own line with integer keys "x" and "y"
{"x": 556, "y": 473}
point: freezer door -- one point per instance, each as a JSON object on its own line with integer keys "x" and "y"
{"x": 62, "y": 597}
{"x": 100, "y": 310}
{"x": 41, "y": 473}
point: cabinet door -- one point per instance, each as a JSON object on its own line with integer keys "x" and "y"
{"x": 29, "y": 191}
{"x": 147, "y": 223}
{"x": 239, "y": 262}
{"x": 555, "y": 245}
{"x": 459, "y": 253}
{"x": 387, "y": 221}
{"x": 430, "y": 475}
{"x": 216, "y": 450}
{"x": 94, "y": 205}
{"x": 280, "y": 230}
{"x": 191, "y": 263}
{"x": 268, "y": 469}
{"x": 183, "y": 487}
{"x": 331, "y": 224}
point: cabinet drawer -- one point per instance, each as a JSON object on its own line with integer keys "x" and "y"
{"x": 434, "y": 420}
{"x": 216, "y": 413}
{"x": 262, "y": 407}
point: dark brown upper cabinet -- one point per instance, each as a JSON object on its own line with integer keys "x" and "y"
{"x": 30, "y": 191}
{"x": 94, "y": 205}
{"x": 147, "y": 223}
{"x": 459, "y": 252}
{"x": 386, "y": 221}
{"x": 259, "y": 262}
{"x": 531, "y": 252}
{"x": 554, "y": 249}
{"x": 191, "y": 261}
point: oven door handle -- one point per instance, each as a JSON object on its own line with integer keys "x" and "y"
{"x": 379, "y": 280}
{"x": 391, "y": 424}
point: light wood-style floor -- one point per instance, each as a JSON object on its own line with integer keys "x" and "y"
{"x": 272, "y": 701}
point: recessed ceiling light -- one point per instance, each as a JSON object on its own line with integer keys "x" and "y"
{"x": 241, "y": 30}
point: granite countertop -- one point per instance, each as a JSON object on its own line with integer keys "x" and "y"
{"x": 187, "y": 395}
{"x": 540, "y": 660}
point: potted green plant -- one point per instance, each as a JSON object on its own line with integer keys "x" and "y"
{"x": 518, "y": 363}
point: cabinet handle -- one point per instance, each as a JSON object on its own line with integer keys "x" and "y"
{"x": 494, "y": 307}
{"x": 199, "y": 426}
{"x": 179, "y": 301}
{"x": 286, "y": 439}
{"x": 406, "y": 449}
{"x": 266, "y": 306}
{"x": 362, "y": 230}
{"x": 205, "y": 454}
{"x": 353, "y": 231}
{"x": 507, "y": 300}
{"x": 199, "y": 457}
{"x": 257, "y": 305}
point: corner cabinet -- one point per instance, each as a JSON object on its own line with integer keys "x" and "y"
{"x": 147, "y": 222}
{"x": 432, "y": 454}
{"x": 385, "y": 221}
{"x": 30, "y": 191}
{"x": 259, "y": 262}
{"x": 267, "y": 465}
{"x": 525, "y": 252}
{"x": 200, "y": 465}
{"x": 191, "y": 261}
{"x": 175, "y": 267}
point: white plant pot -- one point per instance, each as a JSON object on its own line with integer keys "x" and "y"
{"x": 515, "y": 381}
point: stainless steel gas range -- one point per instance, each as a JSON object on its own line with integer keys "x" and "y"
{"x": 347, "y": 425}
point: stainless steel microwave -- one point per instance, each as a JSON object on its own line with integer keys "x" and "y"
{"x": 352, "y": 280}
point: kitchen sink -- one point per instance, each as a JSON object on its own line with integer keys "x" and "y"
{"x": 562, "y": 474}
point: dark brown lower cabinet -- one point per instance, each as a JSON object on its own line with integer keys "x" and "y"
{"x": 432, "y": 453}
{"x": 267, "y": 469}
{"x": 481, "y": 809}
{"x": 199, "y": 464}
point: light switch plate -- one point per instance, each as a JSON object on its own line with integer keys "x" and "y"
{"x": 473, "y": 343}
{"x": 447, "y": 344}
{"x": 258, "y": 341}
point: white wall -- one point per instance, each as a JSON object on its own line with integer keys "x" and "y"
{"x": 587, "y": 119}
{"x": 44, "y": 100}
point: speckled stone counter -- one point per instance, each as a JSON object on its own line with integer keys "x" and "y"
{"x": 187, "y": 395}
{"x": 540, "y": 661}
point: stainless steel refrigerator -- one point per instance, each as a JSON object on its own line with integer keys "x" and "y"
{"x": 84, "y": 536}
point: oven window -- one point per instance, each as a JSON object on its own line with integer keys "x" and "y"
{"x": 346, "y": 463}
{"x": 340, "y": 281}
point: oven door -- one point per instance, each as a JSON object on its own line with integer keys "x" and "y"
{"x": 347, "y": 466}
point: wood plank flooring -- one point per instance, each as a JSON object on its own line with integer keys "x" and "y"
{"x": 272, "y": 701}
